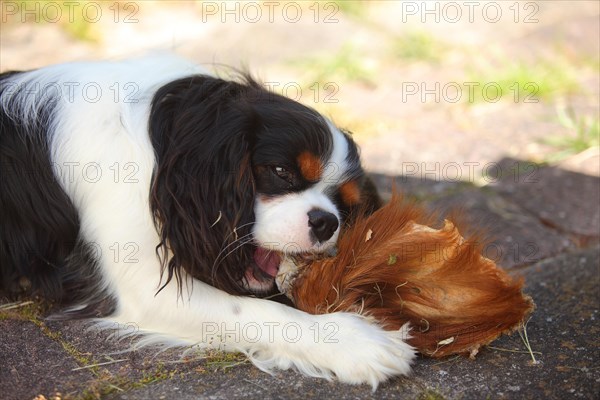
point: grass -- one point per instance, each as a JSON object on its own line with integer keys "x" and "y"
{"x": 71, "y": 17}
{"x": 104, "y": 382}
{"x": 501, "y": 349}
{"x": 523, "y": 334}
{"x": 359, "y": 127}
{"x": 430, "y": 394}
{"x": 218, "y": 360}
{"x": 522, "y": 330}
{"x": 108, "y": 383}
{"x": 584, "y": 133}
{"x": 352, "y": 8}
{"x": 521, "y": 82}
{"x": 13, "y": 306}
{"x": 347, "y": 64}
{"x": 418, "y": 46}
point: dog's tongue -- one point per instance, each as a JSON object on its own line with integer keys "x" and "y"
{"x": 267, "y": 260}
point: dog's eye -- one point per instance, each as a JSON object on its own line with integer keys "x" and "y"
{"x": 284, "y": 174}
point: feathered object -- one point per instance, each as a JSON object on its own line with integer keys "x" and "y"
{"x": 394, "y": 267}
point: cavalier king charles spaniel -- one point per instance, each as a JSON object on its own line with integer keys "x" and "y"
{"x": 175, "y": 194}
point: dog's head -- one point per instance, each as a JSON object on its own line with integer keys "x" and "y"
{"x": 244, "y": 175}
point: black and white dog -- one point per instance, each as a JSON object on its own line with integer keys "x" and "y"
{"x": 175, "y": 193}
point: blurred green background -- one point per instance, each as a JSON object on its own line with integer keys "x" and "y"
{"x": 425, "y": 83}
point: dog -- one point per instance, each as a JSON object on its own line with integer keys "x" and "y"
{"x": 174, "y": 194}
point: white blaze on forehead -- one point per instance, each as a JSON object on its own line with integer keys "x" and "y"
{"x": 337, "y": 165}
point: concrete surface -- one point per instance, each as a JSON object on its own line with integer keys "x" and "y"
{"x": 562, "y": 276}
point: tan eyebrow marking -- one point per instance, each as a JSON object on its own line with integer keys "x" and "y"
{"x": 311, "y": 166}
{"x": 350, "y": 193}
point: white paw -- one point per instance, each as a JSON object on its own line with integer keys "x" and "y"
{"x": 366, "y": 353}
{"x": 344, "y": 346}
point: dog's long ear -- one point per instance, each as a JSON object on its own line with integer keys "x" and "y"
{"x": 370, "y": 196}
{"x": 358, "y": 196}
{"x": 202, "y": 194}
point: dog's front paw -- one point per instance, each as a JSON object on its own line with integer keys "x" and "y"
{"x": 360, "y": 351}
{"x": 344, "y": 346}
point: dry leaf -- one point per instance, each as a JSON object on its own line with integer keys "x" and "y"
{"x": 446, "y": 341}
{"x": 392, "y": 259}
{"x": 473, "y": 352}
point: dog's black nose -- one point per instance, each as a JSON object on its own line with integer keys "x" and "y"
{"x": 323, "y": 224}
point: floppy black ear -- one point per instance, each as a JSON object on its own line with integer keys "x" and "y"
{"x": 202, "y": 194}
{"x": 369, "y": 201}
{"x": 360, "y": 196}
{"x": 370, "y": 196}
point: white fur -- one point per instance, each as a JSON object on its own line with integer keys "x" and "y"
{"x": 88, "y": 137}
{"x": 282, "y": 222}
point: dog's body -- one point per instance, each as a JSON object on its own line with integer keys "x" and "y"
{"x": 118, "y": 177}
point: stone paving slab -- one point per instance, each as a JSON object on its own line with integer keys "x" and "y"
{"x": 562, "y": 331}
{"x": 560, "y": 198}
{"x": 516, "y": 236}
{"x": 32, "y": 363}
{"x": 562, "y": 279}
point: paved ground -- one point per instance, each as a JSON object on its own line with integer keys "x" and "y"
{"x": 550, "y": 241}
{"x": 539, "y": 200}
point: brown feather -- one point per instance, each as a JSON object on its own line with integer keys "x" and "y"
{"x": 393, "y": 266}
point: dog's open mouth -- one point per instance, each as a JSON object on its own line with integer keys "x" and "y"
{"x": 267, "y": 261}
{"x": 261, "y": 274}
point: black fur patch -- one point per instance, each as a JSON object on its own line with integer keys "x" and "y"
{"x": 40, "y": 250}
{"x": 369, "y": 198}
{"x": 217, "y": 142}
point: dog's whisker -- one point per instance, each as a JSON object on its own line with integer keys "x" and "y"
{"x": 238, "y": 243}
{"x": 238, "y": 228}
{"x": 223, "y": 249}
{"x": 218, "y": 261}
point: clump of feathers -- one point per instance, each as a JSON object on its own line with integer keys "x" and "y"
{"x": 393, "y": 266}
